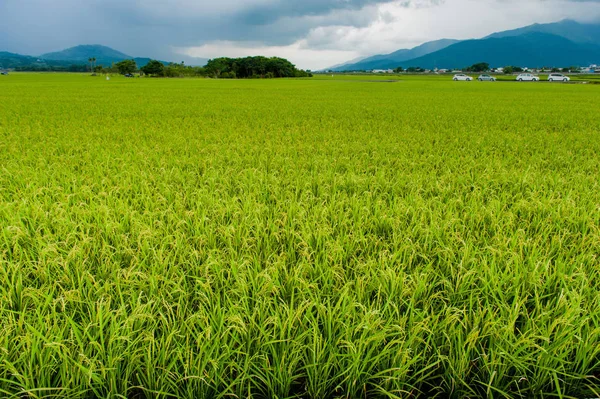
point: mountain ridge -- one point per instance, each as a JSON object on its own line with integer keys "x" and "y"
{"x": 81, "y": 53}
{"x": 533, "y": 49}
{"x": 580, "y": 35}
{"x": 383, "y": 61}
{"x": 72, "y": 57}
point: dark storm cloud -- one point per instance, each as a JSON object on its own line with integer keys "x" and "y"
{"x": 140, "y": 26}
{"x": 154, "y": 27}
{"x": 270, "y": 13}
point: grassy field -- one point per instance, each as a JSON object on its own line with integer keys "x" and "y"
{"x": 321, "y": 238}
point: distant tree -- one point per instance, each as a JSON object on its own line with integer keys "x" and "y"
{"x": 216, "y": 66}
{"x": 77, "y": 68}
{"x": 154, "y": 68}
{"x": 253, "y": 68}
{"x": 479, "y": 67}
{"x": 92, "y": 62}
{"x": 126, "y": 66}
{"x": 399, "y": 70}
{"x": 414, "y": 69}
{"x": 508, "y": 70}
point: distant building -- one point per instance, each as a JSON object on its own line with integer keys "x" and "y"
{"x": 591, "y": 69}
{"x": 382, "y": 71}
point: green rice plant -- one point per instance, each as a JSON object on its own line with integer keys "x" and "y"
{"x": 342, "y": 237}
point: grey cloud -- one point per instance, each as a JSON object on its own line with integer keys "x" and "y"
{"x": 151, "y": 27}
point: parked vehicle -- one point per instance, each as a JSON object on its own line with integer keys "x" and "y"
{"x": 557, "y": 77}
{"x": 128, "y": 75}
{"x": 527, "y": 77}
{"x": 487, "y": 78}
{"x": 4, "y": 73}
{"x": 463, "y": 77}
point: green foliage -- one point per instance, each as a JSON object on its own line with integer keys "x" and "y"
{"x": 126, "y": 66}
{"x": 479, "y": 67}
{"x": 512, "y": 69}
{"x": 399, "y": 70}
{"x": 181, "y": 70}
{"x": 153, "y": 68}
{"x": 332, "y": 238}
{"x": 253, "y": 67}
{"x": 414, "y": 70}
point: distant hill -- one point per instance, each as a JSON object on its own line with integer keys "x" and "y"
{"x": 563, "y": 43}
{"x": 74, "y": 59}
{"x": 104, "y": 55}
{"x": 532, "y": 49}
{"x": 392, "y": 60}
{"x": 25, "y": 62}
{"x": 12, "y": 60}
{"x": 354, "y": 61}
{"x": 569, "y": 29}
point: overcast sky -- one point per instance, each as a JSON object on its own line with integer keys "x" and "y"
{"x": 311, "y": 33}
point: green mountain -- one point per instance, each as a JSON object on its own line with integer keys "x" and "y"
{"x": 74, "y": 59}
{"x": 569, "y": 29}
{"x": 531, "y": 50}
{"x": 563, "y": 43}
{"x": 12, "y": 60}
{"x": 25, "y": 62}
{"x": 353, "y": 61}
{"x": 386, "y": 61}
{"x": 104, "y": 55}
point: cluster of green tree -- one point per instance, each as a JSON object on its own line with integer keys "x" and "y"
{"x": 159, "y": 69}
{"x": 512, "y": 69}
{"x": 409, "y": 70}
{"x": 224, "y": 68}
{"x": 479, "y": 67}
{"x": 51, "y": 68}
{"x": 253, "y": 67}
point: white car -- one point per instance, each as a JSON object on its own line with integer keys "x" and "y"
{"x": 527, "y": 77}
{"x": 461, "y": 76}
{"x": 486, "y": 78}
{"x": 557, "y": 77}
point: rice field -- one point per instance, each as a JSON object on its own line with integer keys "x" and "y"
{"x": 320, "y": 238}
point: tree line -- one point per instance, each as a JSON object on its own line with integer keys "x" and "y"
{"x": 220, "y": 68}
{"x": 232, "y": 68}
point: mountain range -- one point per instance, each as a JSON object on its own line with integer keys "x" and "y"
{"x": 74, "y": 56}
{"x": 559, "y": 44}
